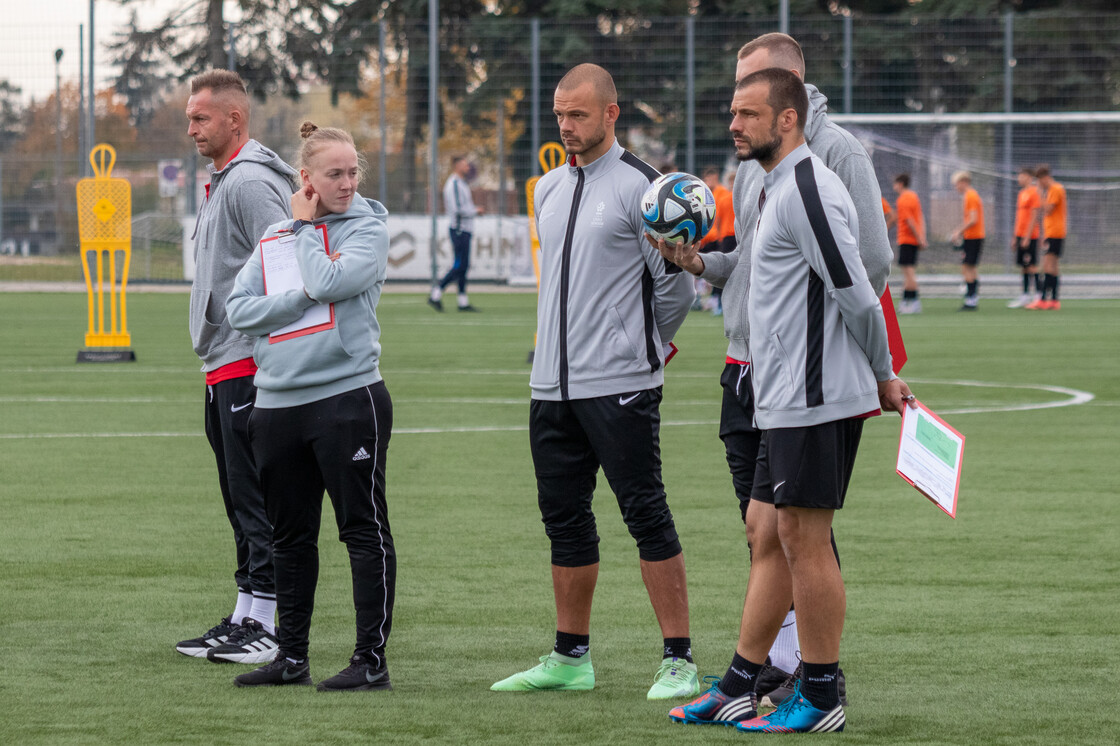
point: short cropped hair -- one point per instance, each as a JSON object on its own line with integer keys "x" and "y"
{"x": 783, "y": 48}
{"x": 1042, "y": 170}
{"x": 786, "y": 91}
{"x": 961, "y": 176}
{"x": 456, "y": 160}
{"x": 903, "y": 179}
{"x": 1029, "y": 171}
{"x": 218, "y": 81}
{"x": 709, "y": 171}
{"x": 601, "y": 81}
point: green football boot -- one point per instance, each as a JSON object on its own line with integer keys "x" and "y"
{"x": 675, "y": 678}
{"x": 556, "y": 672}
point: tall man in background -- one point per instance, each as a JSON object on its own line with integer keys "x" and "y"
{"x": 844, "y": 155}
{"x": 970, "y": 235}
{"x": 721, "y": 236}
{"x": 461, "y": 211}
{"x": 1054, "y": 215}
{"x": 249, "y": 189}
{"x": 609, "y": 306}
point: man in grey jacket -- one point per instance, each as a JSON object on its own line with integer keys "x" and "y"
{"x": 821, "y": 365}
{"x": 609, "y": 306}
{"x": 844, "y": 155}
{"x": 249, "y": 190}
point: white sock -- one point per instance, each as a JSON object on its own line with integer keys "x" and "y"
{"x": 786, "y": 653}
{"x": 264, "y": 611}
{"x": 464, "y": 301}
{"x": 244, "y": 604}
{"x": 436, "y": 292}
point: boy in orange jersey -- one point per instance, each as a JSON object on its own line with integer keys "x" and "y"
{"x": 1025, "y": 241}
{"x": 1054, "y": 213}
{"x": 970, "y": 234}
{"x": 911, "y": 240}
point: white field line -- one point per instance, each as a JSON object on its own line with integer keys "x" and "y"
{"x": 1075, "y": 398}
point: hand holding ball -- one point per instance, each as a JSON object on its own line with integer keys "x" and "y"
{"x": 678, "y": 208}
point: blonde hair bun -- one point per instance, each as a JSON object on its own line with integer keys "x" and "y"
{"x": 307, "y": 128}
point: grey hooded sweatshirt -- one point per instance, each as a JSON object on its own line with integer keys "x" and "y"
{"x": 843, "y": 155}
{"x": 248, "y": 195}
{"x": 312, "y": 367}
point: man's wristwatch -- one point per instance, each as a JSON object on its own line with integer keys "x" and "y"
{"x": 300, "y": 223}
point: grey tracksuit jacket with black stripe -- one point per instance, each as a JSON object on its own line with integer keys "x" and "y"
{"x": 608, "y": 305}
{"x": 841, "y": 153}
{"x": 818, "y": 341}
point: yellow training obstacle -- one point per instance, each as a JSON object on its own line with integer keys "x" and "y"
{"x": 105, "y": 228}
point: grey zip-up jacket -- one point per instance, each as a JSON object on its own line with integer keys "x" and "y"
{"x": 316, "y": 366}
{"x": 818, "y": 339}
{"x": 248, "y": 195}
{"x": 841, "y": 153}
{"x": 608, "y": 304}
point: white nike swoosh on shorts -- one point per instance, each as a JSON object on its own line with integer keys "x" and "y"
{"x": 628, "y": 399}
{"x": 232, "y": 408}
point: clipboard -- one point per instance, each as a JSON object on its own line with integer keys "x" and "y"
{"x": 278, "y": 263}
{"x": 930, "y": 457}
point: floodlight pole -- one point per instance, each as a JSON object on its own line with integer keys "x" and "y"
{"x": 58, "y": 148}
{"x": 91, "y": 124}
{"x": 433, "y": 129}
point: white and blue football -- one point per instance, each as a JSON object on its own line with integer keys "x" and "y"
{"x": 678, "y": 208}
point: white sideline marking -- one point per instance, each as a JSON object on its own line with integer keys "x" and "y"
{"x": 1076, "y": 398}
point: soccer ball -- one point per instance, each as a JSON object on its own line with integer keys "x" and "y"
{"x": 678, "y": 208}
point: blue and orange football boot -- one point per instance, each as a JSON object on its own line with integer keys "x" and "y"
{"x": 796, "y": 715}
{"x": 713, "y": 707}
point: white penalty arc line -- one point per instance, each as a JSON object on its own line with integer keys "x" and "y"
{"x": 1076, "y": 398}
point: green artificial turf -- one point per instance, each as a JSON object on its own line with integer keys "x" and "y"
{"x": 998, "y": 627}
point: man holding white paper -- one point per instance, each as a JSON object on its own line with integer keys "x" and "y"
{"x": 821, "y": 364}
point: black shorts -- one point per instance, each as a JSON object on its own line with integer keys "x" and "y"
{"x": 972, "y": 248}
{"x": 737, "y": 431}
{"x": 1027, "y": 257}
{"x": 907, "y": 255}
{"x": 569, "y": 441}
{"x": 807, "y": 467}
{"x": 1055, "y": 246}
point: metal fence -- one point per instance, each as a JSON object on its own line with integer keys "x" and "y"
{"x": 495, "y": 79}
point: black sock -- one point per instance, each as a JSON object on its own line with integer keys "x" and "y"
{"x": 1053, "y": 287}
{"x": 1026, "y": 283}
{"x": 740, "y": 678}
{"x": 1039, "y": 283}
{"x": 573, "y": 646}
{"x": 909, "y": 295}
{"x": 678, "y": 647}
{"x": 972, "y": 288}
{"x": 820, "y": 684}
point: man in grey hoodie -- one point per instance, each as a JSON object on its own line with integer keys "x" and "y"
{"x": 845, "y": 156}
{"x": 249, "y": 190}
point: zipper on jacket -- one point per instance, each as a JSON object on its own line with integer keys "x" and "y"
{"x": 565, "y": 265}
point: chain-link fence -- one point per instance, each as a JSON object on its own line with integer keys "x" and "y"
{"x": 494, "y": 85}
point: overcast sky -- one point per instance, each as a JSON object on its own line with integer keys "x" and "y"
{"x": 33, "y": 29}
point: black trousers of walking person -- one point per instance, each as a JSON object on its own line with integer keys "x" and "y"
{"x": 340, "y": 444}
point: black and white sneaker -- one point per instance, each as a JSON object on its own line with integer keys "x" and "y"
{"x": 769, "y": 680}
{"x": 281, "y": 672}
{"x": 784, "y": 691}
{"x": 361, "y": 674}
{"x": 248, "y": 643}
{"x": 212, "y": 638}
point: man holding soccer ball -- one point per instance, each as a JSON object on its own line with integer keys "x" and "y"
{"x": 609, "y": 306}
{"x": 843, "y": 154}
